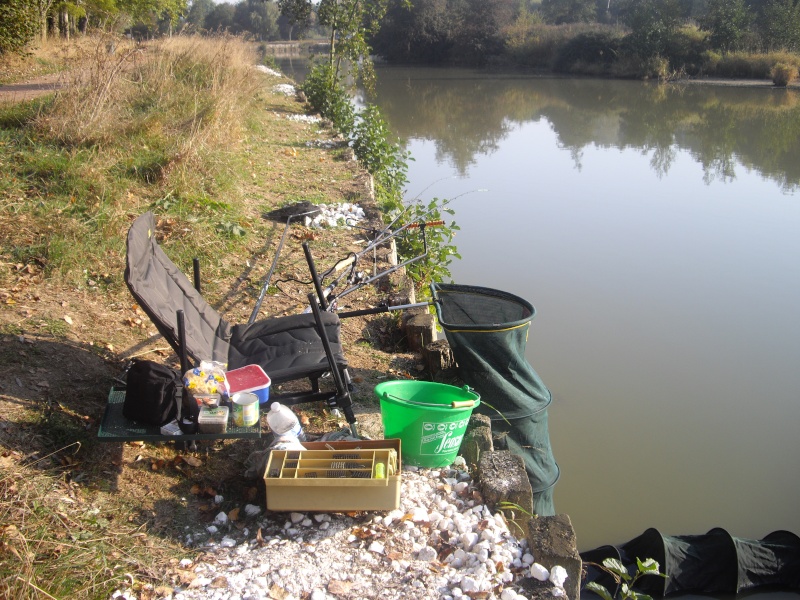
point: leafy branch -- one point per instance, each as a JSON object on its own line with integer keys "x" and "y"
{"x": 625, "y": 580}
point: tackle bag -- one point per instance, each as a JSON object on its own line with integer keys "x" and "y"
{"x": 153, "y": 393}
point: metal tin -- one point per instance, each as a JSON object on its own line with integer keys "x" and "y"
{"x": 245, "y": 409}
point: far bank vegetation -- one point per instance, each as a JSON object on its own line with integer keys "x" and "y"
{"x": 749, "y": 39}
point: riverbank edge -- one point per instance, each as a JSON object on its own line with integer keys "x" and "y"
{"x": 500, "y": 474}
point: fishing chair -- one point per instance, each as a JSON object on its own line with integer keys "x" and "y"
{"x": 290, "y": 348}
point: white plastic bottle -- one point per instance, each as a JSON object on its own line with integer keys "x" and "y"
{"x": 284, "y": 423}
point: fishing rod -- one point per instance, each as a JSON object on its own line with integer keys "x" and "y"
{"x": 271, "y": 215}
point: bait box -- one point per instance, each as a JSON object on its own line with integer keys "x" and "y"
{"x": 250, "y": 378}
{"x": 335, "y": 477}
{"x": 213, "y": 420}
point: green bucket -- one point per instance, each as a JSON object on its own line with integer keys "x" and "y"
{"x": 429, "y": 418}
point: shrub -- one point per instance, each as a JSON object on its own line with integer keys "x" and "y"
{"x": 545, "y": 43}
{"x": 585, "y": 49}
{"x": 751, "y": 66}
{"x": 685, "y": 49}
{"x": 18, "y": 25}
{"x": 783, "y": 74}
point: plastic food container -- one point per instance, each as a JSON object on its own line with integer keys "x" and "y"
{"x": 251, "y": 378}
{"x": 213, "y": 420}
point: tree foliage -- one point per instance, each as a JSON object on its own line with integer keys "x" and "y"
{"x": 569, "y": 11}
{"x": 652, "y": 22}
{"x": 221, "y": 17}
{"x": 146, "y": 11}
{"x": 470, "y": 31}
{"x": 18, "y": 25}
{"x": 727, "y": 21}
{"x": 198, "y": 12}
{"x": 297, "y": 14}
{"x": 780, "y": 25}
{"x": 257, "y": 18}
{"x": 421, "y": 33}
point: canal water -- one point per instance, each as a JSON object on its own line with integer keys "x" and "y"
{"x": 656, "y": 229}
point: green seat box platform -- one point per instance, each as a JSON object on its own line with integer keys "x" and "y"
{"x": 116, "y": 428}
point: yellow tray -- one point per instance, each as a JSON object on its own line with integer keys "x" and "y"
{"x": 335, "y": 477}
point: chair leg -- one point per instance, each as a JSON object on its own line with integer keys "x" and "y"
{"x": 342, "y": 399}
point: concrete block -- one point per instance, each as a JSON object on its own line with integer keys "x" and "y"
{"x": 503, "y": 479}
{"x": 477, "y": 439}
{"x": 552, "y": 542}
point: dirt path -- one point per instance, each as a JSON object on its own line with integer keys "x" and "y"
{"x": 17, "y": 92}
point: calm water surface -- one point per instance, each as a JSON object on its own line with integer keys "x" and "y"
{"x": 656, "y": 230}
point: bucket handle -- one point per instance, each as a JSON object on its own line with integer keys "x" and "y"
{"x": 453, "y": 404}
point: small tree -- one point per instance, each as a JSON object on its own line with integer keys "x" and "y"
{"x": 18, "y": 25}
{"x": 652, "y": 22}
{"x": 727, "y": 21}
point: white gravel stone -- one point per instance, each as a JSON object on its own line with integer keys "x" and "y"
{"x": 285, "y": 88}
{"x": 376, "y": 547}
{"x": 558, "y": 575}
{"x": 324, "y": 556}
{"x": 268, "y": 71}
{"x": 427, "y": 554}
{"x": 539, "y": 572}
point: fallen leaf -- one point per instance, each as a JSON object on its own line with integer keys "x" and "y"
{"x": 195, "y": 489}
{"x": 276, "y": 592}
{"x": 186, "y": 577}
{"x": 339, "y": 588}
{"x": 233, "y": 515}
{"x": 192, "y": 461}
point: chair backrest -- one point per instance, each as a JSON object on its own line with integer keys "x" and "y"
{"x": 161, "y": 289}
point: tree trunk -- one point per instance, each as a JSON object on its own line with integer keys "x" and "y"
{"x": 64, "y": 24}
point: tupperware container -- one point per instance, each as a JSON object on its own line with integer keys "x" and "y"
{"x": 251, "y": 378}
{"x": 213, "y": 420}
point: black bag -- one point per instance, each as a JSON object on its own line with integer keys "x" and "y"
{"x": 153, "y": 393}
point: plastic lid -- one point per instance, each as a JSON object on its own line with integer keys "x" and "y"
{"x": 247, "y": 379}
{"x": 276, "y": 406}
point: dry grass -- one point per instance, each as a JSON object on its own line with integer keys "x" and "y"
{"x": 188, "y": 128}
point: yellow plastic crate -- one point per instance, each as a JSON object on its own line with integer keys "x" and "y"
{"x": 335, "y": 477}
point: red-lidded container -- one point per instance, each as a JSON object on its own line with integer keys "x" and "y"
{"x": 251, "y": 378}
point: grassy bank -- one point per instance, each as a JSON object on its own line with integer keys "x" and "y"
{"x": 188, "y": 128}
